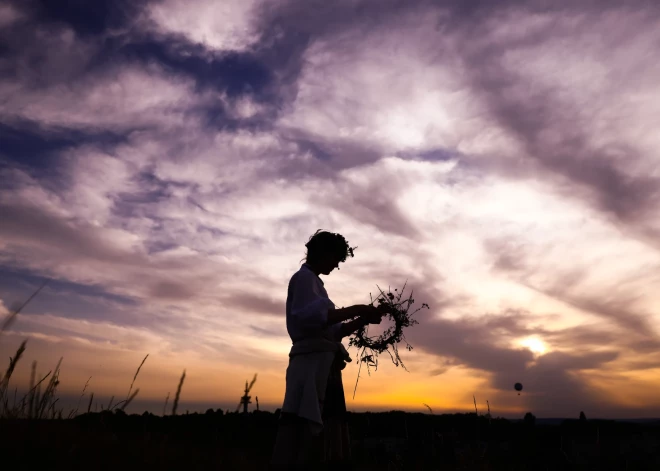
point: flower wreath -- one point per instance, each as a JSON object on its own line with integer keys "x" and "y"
{"x": 370, "y": 347}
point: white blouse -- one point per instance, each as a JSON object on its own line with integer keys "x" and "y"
{"x": 307, "y": 306}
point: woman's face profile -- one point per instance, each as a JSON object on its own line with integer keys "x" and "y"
{"x": 327, "y": 263}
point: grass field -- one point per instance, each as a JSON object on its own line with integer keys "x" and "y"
{"x": 37, "y": 433}
{"x": 381, "y": 441}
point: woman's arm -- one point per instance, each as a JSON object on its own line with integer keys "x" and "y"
{"x": 311, "y": 312}
{"x": 336, "y": 316}
{"x": 347, "y": 328}
{"x": 369, "y": 315}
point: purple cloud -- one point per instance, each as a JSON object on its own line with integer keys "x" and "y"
{"x": 151, "y": 153}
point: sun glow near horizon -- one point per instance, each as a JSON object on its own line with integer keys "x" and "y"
{"x": 534, "y": 344}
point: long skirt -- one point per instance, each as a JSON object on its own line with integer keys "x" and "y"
{"x": 295, "y": 446}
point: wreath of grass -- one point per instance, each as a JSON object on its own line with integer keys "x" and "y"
{"x": 370, "y": 347}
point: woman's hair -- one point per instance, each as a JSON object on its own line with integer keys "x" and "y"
{"x": 323, "y": 242}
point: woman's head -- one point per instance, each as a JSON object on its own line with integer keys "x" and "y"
{"x": 325, "y": 250}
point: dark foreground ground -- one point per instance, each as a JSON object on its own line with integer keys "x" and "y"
{"x": 381, "y": 441}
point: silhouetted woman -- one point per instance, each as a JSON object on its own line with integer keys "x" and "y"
{"x": 312, "y": 432}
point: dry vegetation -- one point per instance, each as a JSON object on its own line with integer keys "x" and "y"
{"x": 35, "y": 432}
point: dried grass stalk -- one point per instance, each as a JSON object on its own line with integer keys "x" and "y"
{"x": 4, "y": 383}
{"x": 33, "y": 394}
{"x": 178, "y": 393}
{"x": 135, "y": 376}
{"x": 5, "y": 409}
{"x": 167, "y": 398}
{"x": 11, "y": 317}
{"x": 33, "y": 375}
{"x": 49, "y": 393}
{"x": 128, "y": 401}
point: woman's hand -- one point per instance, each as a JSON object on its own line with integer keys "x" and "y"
{"x": 384, "y": 308}
{"x": 372, "y": 314}
{"x": 364, "y": 314}
{"x": 347, "y": 313}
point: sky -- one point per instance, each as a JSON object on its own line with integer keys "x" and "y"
{"x": 163, "y": 163}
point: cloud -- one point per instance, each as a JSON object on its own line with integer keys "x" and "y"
{"x": 104, "y": 17}
{"x": 25, "y": 225}
{"x": 557, "y": 98}
{"x": 165, "y": 170}
{"x": 553, "y": 381}
{"x": 3, "y": 309}
{"x": 256, "y": 303}
{"x": 508, "y": 119}
{"x": 8, "y": 15}
{"x": 344, "y": 101}
{"x": 172, "y": 290}
{"x": 622, "y": 305}
{"x": 89, "y": 254}
{"x": 115, "y": 103}
{"x": 619, "y": 312}
{"x": 474, "y": 342}
{"x": 224, "y": 26}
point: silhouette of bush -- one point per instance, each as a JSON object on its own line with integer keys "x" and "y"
{"x": 529, "y": 419}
